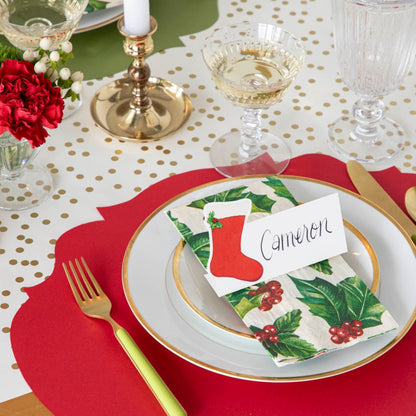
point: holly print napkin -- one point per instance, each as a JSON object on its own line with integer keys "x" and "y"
{"x": 296, "y": 316}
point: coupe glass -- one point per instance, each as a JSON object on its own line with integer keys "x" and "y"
{"x": 252, "y": 65}
{"x": 375, "y": 41}
{"x": 25, "y": 22}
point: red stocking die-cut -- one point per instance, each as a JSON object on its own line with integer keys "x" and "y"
{"x": 226, "y": 259}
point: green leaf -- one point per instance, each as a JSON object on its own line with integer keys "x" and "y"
{"x": 288, "y": 322}
{"x": 260, "y": 203}
{"x": 291, "y": 345}
{"x": 10, "y": 52}
{"x": 246, "y": 305}
{"x": 362, "y": 304}
{"x": 279, "y": 189}
{"x": 213, "y": 222}
{"x": 323, "y": 267}
{"x": 199, "y": 244}
{"x": 254, "y": 329}
{"x": 95, "y": 5}
{"x": 230, "y": 195}
{"x": 242, "y": 302}
{"x": 324, "y": 299}
{"x": 183, "y": 228}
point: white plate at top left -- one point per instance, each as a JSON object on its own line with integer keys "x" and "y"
{"x": 100, "y": 18}
{"x": 152, "y": 295}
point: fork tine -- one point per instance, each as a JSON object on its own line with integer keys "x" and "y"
{"x": 72, "y": 284}
{"x": 95, "y": 284}
{"x": 84, "y": 294}
{"x": 86, "y": 289}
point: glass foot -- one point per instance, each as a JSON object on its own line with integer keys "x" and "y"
{"x": 272, "y": 158}
{"x": 27, "y": 190}
{"x": 348, "y": 143}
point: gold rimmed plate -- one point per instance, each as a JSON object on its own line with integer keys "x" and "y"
{"x": 188, "y": 274}
{"x": 156, "y": 302}
{"x": 95, "y": 20}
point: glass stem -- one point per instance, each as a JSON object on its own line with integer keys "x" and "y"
{"x": 367, "y": 111}
{"x": 250, "y": 133}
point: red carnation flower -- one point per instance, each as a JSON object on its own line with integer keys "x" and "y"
{"x": 28, "y": 102}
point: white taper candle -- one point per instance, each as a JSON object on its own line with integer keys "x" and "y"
{"x": 136, "y": 17}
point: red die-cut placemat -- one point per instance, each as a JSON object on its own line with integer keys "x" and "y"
{"x": 76, "y": 367}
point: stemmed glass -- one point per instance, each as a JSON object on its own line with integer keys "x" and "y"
{"x": 252, "y": 65}
{"x": 375, "y": 41}
{"x": 26, "y": 22}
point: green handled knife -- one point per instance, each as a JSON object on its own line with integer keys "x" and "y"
{"x": 368, "y": 187}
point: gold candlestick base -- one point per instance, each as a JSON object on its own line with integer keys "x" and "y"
{"x": 140, "y": 108}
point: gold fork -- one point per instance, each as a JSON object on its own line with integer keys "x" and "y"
{"x": 94, "y": 303}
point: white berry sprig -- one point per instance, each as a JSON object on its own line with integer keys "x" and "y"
{"x": 52, "y": 64}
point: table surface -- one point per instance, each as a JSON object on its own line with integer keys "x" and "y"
{"x": 91, "y": 169}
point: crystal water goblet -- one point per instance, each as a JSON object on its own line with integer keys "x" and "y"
{"x": 252, "y": 64}
{"x": 375, "y": 42}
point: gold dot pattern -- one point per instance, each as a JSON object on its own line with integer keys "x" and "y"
{"x": 91, "y": 169}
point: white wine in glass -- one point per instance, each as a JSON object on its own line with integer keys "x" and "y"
{"x": 252, "y": 65}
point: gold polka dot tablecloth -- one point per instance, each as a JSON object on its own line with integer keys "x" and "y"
{"x": 90, "y": 169}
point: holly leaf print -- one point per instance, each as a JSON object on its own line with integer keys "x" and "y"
{"x": 362, "y": 304}
{"x": 182, "y": 228}
{"x": 242, "y": 302}
{"x": 200, "y": 245}
{"x": 279, "y": 189}
{"x": 322, "y": 266}
{"x": 230, "y": 195}
{"x": 289, "y": 322}
{"x": 324, "y": 300}
{"x": 95, "y": 5}
{"x": 291, "y": 345}
{"x": 246, "y": 305}
{"x": 259, "y": 203}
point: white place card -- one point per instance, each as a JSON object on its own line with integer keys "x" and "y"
{"x": 246, "y": 252}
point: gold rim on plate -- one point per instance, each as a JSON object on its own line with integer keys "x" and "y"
{"x": 235, "y": 374}
{"x": 178, "y": 282}
{"x": 99, "y": 24}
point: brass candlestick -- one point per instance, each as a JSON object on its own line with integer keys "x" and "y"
{"x": 140, "y": 107}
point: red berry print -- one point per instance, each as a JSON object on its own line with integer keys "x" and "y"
{"x": 333, "y": 330}
{"x": 336, "y": 339}
{"x": 269, "y": 333}
{"x": 272, "y": 294}
{"x": 270, "y": 329}
{"x": 347, "y": 332}
{"x": 355, "y": 330}
{"x": 261, "y": 335}
{"x": 346, "y": 325}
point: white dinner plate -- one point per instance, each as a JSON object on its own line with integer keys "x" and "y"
{"x": 154, "y": 299}
{"x": 100, "y": 18}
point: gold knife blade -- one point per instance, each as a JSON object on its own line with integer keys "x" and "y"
{"x": 368, "y": 187}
